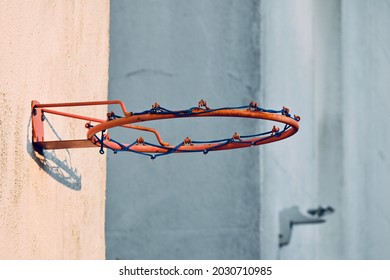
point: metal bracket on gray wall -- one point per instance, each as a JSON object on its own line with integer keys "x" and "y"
{"x": 292, "y": 216}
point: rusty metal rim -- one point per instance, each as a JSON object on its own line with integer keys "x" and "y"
{"x": 145, "y": 148}
{"x": 130, "y": 119}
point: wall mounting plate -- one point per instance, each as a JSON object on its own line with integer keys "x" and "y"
{"x": 290, "y": 217}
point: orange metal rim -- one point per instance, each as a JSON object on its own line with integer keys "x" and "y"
{"x": 130, "y": 120}
{"x": 144, "y": 148}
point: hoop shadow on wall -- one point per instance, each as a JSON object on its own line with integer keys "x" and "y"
{"x": 60, "y": 170}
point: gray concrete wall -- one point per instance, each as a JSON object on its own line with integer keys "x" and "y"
{"x": 184, "y": 206}
{"x": 326, "y": 60}
{"x": 366, "y": 101}
{"x": 288, "y": 169}
{"x": 329, "y": 60}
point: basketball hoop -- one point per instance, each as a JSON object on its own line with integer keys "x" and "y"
{"x": 97, "y": 134}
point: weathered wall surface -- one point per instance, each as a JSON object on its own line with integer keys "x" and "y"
{"x": 288, "y": 170}
{"x": 329, "y": 60}
{"x": 51, "y": 51}
{"x": 187, "y": 206}
{"x": 366, "y": 154}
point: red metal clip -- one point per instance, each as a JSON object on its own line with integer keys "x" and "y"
{"x": 110, "y": 116}
{"x": 253, "y": 106}
{"x": 285, "y": 111}
{"x": 275, "y": 130}
{"x": 155, "y": 106}
{"x": 203, "y": 103}
{"x": 187, "y": 142}
{"x": 236, "y": 136}
{"x": 140, "y": 141}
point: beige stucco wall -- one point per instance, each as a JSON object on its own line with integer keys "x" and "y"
{"x": 51, "y": 51}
